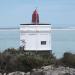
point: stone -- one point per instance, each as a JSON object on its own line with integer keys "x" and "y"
{"x": 17, "y": 73}
{"x": 0, "y": 73}
{"x": 37, "y": 73}
{"x": 28, "y": 73}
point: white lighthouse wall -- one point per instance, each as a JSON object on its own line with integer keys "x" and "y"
{"x": 34, "y": 38}
{"x": 44, "y": 37}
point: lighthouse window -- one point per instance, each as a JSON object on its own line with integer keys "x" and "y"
{"x": 43, "y": 42}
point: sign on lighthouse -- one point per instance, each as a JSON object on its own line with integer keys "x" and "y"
{"x": 35, "y": 36}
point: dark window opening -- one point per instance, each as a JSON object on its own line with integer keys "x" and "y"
{"x": 43, "y": 42}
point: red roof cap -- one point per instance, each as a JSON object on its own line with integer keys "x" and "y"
{"x": 35, "y": 17}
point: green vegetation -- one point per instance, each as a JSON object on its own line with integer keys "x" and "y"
{"x": 67, "y": 60}
{"x": 17, "y": 60}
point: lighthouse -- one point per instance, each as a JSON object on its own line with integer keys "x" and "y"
{"x": 35, "y": 36}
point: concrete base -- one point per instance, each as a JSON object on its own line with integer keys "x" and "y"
{"x": 39, "y": 52}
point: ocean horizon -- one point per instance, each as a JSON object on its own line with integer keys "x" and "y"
{"x": 62, "y": 40}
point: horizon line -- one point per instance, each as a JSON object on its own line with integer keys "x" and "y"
{"x": 9, "y": 28}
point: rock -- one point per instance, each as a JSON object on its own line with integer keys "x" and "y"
{"x": 33, "y": 70}
{"x": 67, "y": 74}
{"x": 46, "y": 73}
{"x": 17, "y": 73}
{"x": 28, "y": 73}
{"x": 4, "y": 73}
{"x": 37, "y": 72}
{"x": 47, "y": 67}
{"x": 0, "y": 73}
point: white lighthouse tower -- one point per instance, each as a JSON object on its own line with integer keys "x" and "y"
{"x": 35, "y": 36}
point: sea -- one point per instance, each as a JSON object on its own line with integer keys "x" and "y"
{"x": 62, "y": 40}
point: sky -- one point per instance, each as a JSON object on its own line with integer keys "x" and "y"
{"x": 56, "y": 12}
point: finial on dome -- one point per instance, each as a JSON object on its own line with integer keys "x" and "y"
{"x": 35, "y": 17}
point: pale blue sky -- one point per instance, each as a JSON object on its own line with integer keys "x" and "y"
{"x": 56, "y": 12}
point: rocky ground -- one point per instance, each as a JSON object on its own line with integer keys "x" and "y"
{"x": 47, "y": 70}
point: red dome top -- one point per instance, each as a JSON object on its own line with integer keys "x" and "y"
{"x": 35, "y": 17}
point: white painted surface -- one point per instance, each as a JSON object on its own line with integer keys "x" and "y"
{"x": 32, "y": 35}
